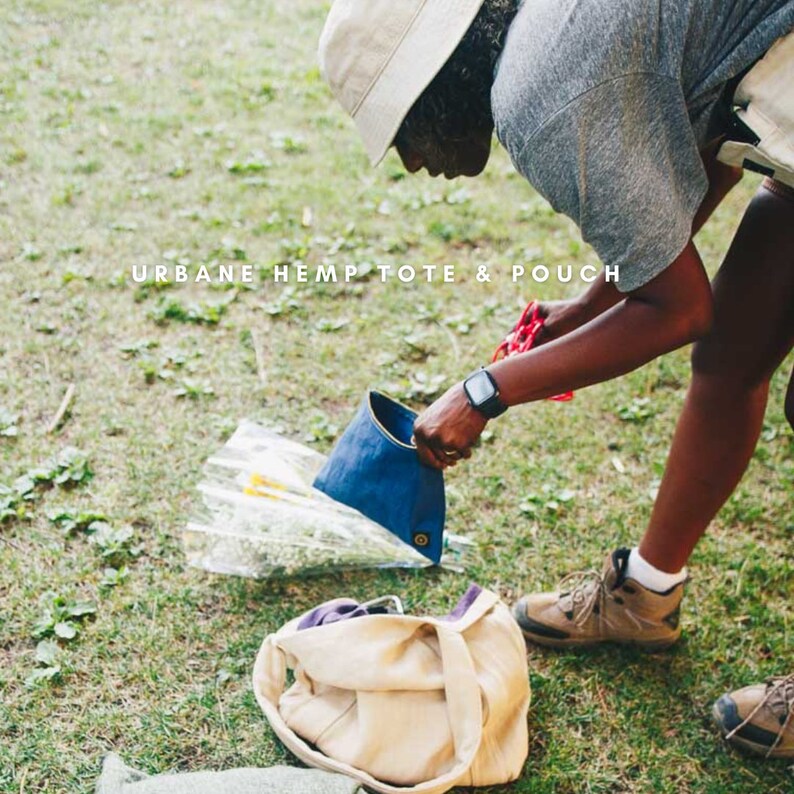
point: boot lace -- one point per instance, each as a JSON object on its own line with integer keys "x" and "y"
{"x": 779, "y": 696}
{"x": 583, "y": 590}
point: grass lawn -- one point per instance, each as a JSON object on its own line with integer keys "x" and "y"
{"x": 200, "y": 133}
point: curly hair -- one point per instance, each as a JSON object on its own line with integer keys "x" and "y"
{"x": 458, "y": 99}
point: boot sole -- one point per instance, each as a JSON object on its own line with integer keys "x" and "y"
{"x": 748, "y": 746}
{"x": 650, "y": 646}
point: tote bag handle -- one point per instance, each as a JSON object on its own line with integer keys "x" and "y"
{"x": 463, "y": 702}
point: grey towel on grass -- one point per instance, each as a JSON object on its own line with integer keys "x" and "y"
{"x": 118, "y": 778}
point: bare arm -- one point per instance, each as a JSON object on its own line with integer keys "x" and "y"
{"x": 562, "y": 317}
{"x": 600, "y": 335}
{"x": 671, "y": 310}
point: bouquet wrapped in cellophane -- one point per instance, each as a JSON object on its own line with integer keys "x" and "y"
{"x": 258, "y": 515}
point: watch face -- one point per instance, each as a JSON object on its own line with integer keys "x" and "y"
{"x": 480, "y": 388}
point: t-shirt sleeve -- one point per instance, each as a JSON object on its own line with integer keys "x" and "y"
{"x": 621, "y": 160}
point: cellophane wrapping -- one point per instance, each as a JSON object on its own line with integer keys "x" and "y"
{"x": 257, "y": 515}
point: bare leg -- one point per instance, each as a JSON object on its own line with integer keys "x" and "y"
{"x": 790, "y": 400}
{"x": 724, "y": 409}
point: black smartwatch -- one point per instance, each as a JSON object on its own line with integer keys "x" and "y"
{"x": 483, "y": 394}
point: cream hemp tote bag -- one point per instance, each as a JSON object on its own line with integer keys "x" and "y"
{"x": 764, "y": 102}
{"x": 401, "y": 703}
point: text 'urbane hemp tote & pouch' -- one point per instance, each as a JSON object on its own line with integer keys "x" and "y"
{"x": 401, "y": 703}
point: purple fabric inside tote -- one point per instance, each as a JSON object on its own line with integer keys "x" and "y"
{"x": 346, "y": 608}
{"x": 464, "y": 602}
{"x": 332, "y": 612}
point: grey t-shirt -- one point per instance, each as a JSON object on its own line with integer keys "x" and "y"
{"x": 605, "y": 106}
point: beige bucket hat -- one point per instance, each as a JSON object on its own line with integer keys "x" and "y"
{"x": 379, "y": 55}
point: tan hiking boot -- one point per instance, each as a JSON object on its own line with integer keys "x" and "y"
{"x": 760, "y": 718}
{"x": 592, "y": 608}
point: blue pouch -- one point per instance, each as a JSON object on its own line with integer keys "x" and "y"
{"x": 374, "y": 468}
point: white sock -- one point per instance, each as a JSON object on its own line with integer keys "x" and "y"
{"x": 648, "y": 576}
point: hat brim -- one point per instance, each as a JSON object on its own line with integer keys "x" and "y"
{"x": 431, "y": 38}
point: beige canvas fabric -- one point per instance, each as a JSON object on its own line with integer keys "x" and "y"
{"x": 765, "y": 100}
{"x": 379, "y": 55}
{"x": 401, "y": 703}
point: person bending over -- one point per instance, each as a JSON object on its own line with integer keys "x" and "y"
{"x": 613, "y": 112}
